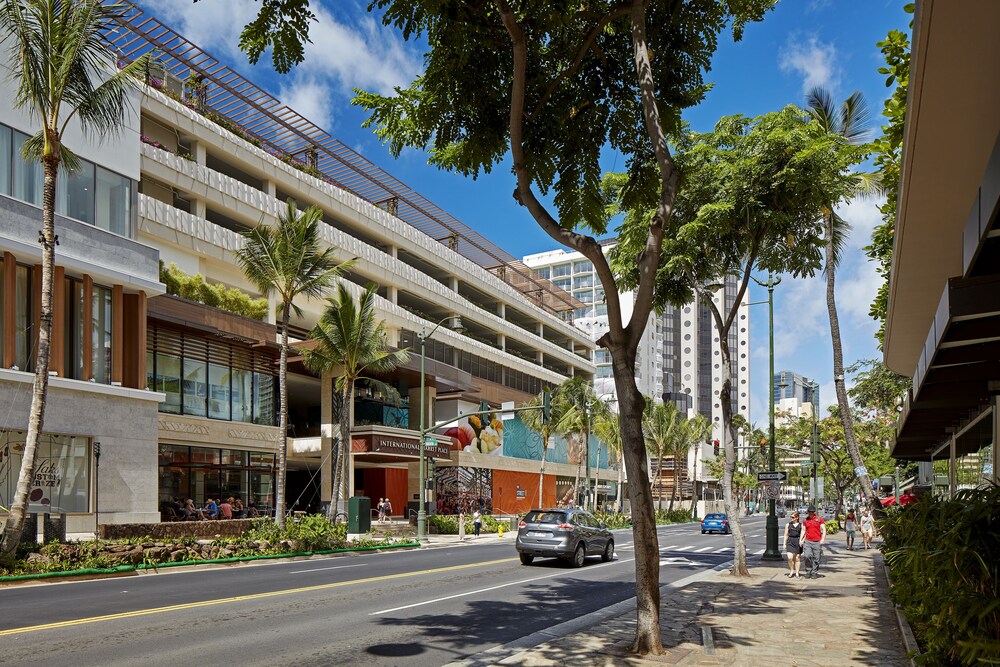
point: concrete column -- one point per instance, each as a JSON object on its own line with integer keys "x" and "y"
{"x": 539, "y": 357}
{"x": 430, "y": 396}
{"x": 541, "y": 330}
{"x": 453, "y": 283}
{"x": 502, "y": 311}
{"x": 952, "y": 469}
{"x": 199, "y": 151}
{"x": 270, "y": 188}
{"x": 327, "y": 431}
{"x": 198, "y": 208}
{"x": 392, "y": 294}
{"x": 502, "y": 342}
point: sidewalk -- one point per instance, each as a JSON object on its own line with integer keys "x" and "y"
{"x": 843, "y": 618}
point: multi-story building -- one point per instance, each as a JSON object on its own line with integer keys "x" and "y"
{"x": 795, "y": 396}
{"x": 182, "y": 396}
{"x": 678, "y": 359}
{"x": 575, "y": 274}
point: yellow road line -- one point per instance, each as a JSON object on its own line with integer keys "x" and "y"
{"x": 240, "y": 598}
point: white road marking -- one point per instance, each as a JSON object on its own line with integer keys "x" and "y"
{"x": 672, "y": 546}
{"x": 684, "y": 548}
{"x": 719, "y": 551}
{"x": 320, "y": 569}
{"x": 757, "y": 553}
{"x": 491, "y": 588}
{"x": 702, "y": 550}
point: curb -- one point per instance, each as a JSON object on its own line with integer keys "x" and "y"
{"x": 132, "y": 570}
{"x": 909, "y": 639}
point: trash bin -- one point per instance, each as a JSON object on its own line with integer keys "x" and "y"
{"x": 514, "y": 521}
{"x": 359, "y": 515}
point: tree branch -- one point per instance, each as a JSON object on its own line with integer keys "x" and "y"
{"x": 745, "y": 281}
{"x": 585, "y": 245}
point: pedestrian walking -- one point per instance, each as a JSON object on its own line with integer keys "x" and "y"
{"x": 381, "y": 509}
{"x": 387, "y": 509}
{"x": 477, "y": 522}
{"x": 461, "y": 526}
{"x": 850, "y": 526}
{"x": 812, "y": 546}
{"x": 867, "y": 528}
{"x": 793, "y": 545}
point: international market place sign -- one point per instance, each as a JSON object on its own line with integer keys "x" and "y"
{"x": 406, "y": 446}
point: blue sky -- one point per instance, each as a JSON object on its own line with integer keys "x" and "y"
{"x": 801, "y": 44}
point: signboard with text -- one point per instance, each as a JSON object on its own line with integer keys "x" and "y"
{"x": 772, "y": 476}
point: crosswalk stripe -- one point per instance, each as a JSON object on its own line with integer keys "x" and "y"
{"x": 702, "y": 550}
{"x": 719, "y": 551}
{"x": 684, "y": 548}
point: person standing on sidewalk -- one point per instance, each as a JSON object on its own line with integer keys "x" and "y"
{"x": 793, "y": 545}
{"x": 850, "y": 527}
{"x": 812, "y": 546}
{"x": 477, "y": 522}
{"x": 867, "y": 529}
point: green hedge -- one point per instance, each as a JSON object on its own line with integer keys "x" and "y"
{"x": 944, "y": 557}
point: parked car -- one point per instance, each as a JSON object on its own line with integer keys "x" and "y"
{"x": 715, "y": 523}
{"x": 571, "y": 535}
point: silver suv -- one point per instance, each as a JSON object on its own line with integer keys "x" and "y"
{"x": 562, "y": 533}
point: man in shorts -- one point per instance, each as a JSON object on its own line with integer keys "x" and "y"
{"x": 812, "y": 544}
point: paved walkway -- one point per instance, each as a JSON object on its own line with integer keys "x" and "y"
{"x": 842, "y": 618}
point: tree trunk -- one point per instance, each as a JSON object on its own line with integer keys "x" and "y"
{"x": 674, "y": 491}
{"x": 40, "y": 387}
{"x": 729, "y": 499}
{"x": 618, "y": 495}
{"x": 647, "y": 550}
{"x": 279, "y": 484}
{"x": 846, "y": 418}
{"x": 339, "y": 464}
{"x": 659, "y": 482}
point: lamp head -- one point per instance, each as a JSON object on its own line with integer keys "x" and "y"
{"x": 457, "y": 326}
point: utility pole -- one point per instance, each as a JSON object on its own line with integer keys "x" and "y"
{"x": 771, "y": 552}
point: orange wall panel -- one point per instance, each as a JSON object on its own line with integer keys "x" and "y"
{"x": 505, "y": 491}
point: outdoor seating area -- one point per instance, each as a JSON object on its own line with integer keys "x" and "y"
{"x": 225, "y": 509}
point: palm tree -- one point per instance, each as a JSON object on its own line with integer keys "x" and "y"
{"x": 659, "y": 426}
{"x": 608, "y": 428}
{"x": 577, "y": 405}
{"x": 287, "y": 259}
{"x": 65, "y": 71}
{"x": 350, "y": 341}
{"x": 850, "y": 122}
{"x": 532, "y": 420}
{"x": 688, "y": 432}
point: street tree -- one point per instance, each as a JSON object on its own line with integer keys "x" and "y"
{"x": 750, "y": 199}
{"x": 689, "y": 431}
{"x": 65, "y": 71}
{"x": 533, "y": 421}
{"x": 577, "y": 406}
{"x": 661, "y": 425}
{"x": 351, "y": 343}
{"x": 850, "y": 123}
{"x": 288, "y": 259}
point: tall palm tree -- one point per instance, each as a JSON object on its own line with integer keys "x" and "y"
{"x": 688, "y": 432}
{"x": 659, "y": 426}
{"x": 577, "y": 405}
{"x": 850, "y": 122}
{"x": 287, "y": 259}
{"x": 352, "y": 342}
{"x": 65, "y": 71}
{"x": 608, "y": 428}
{"x": 532, "y": 420}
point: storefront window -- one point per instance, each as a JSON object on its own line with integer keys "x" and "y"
{"x": 101, "y": 322}
{"x": 195, "y": 387}
{"x": 263, "y": 399}
{"x": 74, "y": 318}
{"x": 242, "y": 394}
{"x": 168, "y": 380}
{"x": 24, "y": 334}
{"x": 62, "y": 472}
{"x": 114, "y": 202}
{"x": 200, "y": 473}
{"x": 28, "y": 174}
{"x": 75, "y": 193}
{"x": 218, "y": 392}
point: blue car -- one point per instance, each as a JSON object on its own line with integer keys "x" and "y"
{"x": 715, "y": 523}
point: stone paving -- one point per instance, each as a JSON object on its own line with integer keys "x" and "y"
{"x": 842, "y": 618}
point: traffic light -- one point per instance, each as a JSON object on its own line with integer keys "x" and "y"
{"x": 546, "y": 406}
{"x": 715, "y": 447}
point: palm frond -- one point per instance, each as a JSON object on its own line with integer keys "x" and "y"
{"x": 838, "y": 231}
{"x": 855, "y": 118}
{"x": 819, "y": 103}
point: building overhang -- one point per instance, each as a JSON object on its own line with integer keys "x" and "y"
{"x": 952, "y": 126}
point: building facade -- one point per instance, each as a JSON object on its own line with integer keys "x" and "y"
{"x": 795, "y": 396}
{"x": 180, "y": 395}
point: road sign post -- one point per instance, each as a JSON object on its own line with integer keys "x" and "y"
{"x": 772, "y": 476}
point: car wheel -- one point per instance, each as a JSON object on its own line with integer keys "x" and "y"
{"x": 609, "y": 551}
{"x": 579, "y": 557}
{"x": 526, "y": 559}
{"x": 702, "y": 531}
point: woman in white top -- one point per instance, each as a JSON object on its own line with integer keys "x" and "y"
{"x": 867, "y": 529}
{"x": 850, "y": 527}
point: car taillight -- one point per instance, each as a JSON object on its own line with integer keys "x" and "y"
{"x": 521, "y": 524}
{"x": 564, "y": 526}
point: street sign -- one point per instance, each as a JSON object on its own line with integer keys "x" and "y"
{"x": 772, "y": 490}
{"x": 506, "y": 411}
{"x": 772, "y": 476}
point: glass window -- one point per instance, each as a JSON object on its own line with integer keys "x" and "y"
{"x": 604, "y": 371}
{"x": 168, "y": 380}
{"x": 28, "y": 175}
{"x": 602, "y": 309}
{"x": 582, "y": 266}
{"x": 75, "y": 193}
{"x": 582, "y": 312}
{"x": 242, "y": 392}
{"x": 263, "y": 399}
{"x": 602, "y": 357}
{"x": 583, "y": 281}
{"x": 75, "y": 321}
{"x": 101, "y": 322}
{"x": 563, "y": 284}
{"x": 5, "y": 159}
{"x": 218, "y": 392}
{"x": 543, "y": 272}
{"x": 114, "y": 202}
{"x": 195, "y": 387}
{"x": 62, "y": 472}
{"x": 560, "y": 270}
{"x": 24, "y": 334}
{"x": 585, "y": 297}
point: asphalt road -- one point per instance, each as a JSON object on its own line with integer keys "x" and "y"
{"x": 419, "y": 607}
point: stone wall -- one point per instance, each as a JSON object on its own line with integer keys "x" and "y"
{"x": 174, "y": 529}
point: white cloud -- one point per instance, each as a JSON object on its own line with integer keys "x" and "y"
{"x": 813, "y": 60}
{"x": 311, "y": 98}
{"x": 863, "y": 216}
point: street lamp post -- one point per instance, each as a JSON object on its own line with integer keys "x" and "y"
{"x": 771, "y": 552}
{"x": 422, "y": 509}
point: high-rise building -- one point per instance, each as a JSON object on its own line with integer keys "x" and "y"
{"x": 794, "y": 396}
